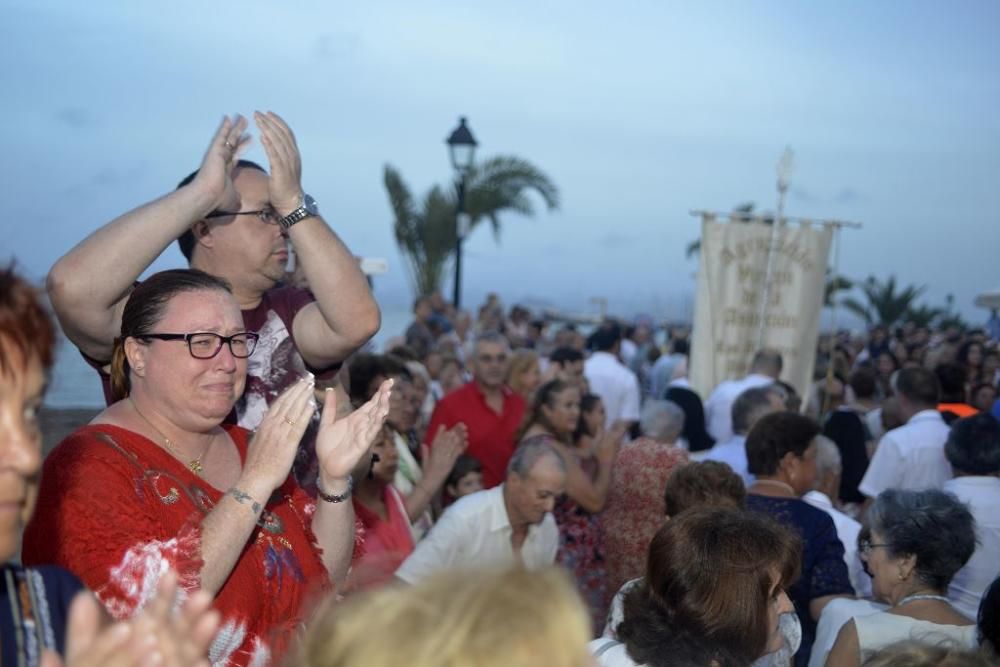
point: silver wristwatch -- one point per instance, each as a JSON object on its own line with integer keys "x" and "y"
{"x": 307, "y": 207}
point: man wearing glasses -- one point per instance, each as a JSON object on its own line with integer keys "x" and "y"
{"x": 233, "y": 220}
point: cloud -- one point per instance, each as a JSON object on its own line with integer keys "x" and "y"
{"x": 803, "y": 195}
{"x": 848, "y": 195}
{"x": 336, "y": 46}
{"x": 76, "y": 118}
{"x": 617, "y": 240}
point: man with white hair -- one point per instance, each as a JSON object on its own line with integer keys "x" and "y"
{"x": 506, "y": 526}
{"x": 747, "y": 409}
{"x": 828, "y": 469}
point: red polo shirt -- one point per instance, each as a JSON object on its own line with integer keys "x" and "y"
{"x": 491, "y": 435}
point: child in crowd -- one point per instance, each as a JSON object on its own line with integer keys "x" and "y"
{"x": 465, "y": 478}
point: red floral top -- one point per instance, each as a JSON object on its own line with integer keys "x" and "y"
{"x": 635, "y": 509}
{"x": 117, "y": 510}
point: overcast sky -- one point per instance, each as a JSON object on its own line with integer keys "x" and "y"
{"x": 639, "y": 111}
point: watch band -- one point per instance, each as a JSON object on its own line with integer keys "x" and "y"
{"x": 297, "y": 215}
{"x": 307, "y": 207}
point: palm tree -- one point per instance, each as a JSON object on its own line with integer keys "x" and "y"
{"x": 426, "y": 234}
{"x": 886, "y": 305}
{"x": 923, "y": 316}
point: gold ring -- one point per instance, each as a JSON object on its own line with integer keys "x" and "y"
{"x": 290, "y": 422}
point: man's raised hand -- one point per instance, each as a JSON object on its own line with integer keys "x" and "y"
{"x": 285, "y": 161}
{"x": 215, "y": 173}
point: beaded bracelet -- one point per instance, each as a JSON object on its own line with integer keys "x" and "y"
{"x": 335, "y": 499}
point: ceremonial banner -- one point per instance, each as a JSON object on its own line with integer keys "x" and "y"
{"x": 731, "y": 279}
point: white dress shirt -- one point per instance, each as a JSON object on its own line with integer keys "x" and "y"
{"x": 982, "y": 495}
{"x": 475, "y": 532}
{"x": 617, "y": 386}
{"x": 733, "y": 453}
{"x": 847, "y": 530}
{"x": 719, "y": 406}
{"x": 910, "y": 457}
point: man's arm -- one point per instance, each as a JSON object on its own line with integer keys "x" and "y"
{"x": 439, "y": 550}
{"x": 884, "y": 471}
{"x": 345, "y": 314}
{"x": 90, "y": 284}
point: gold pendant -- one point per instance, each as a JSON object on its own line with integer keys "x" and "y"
{"x": 195, "y": 466}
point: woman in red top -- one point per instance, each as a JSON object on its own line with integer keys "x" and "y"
{"x": 157, "y": 481}
{"x": 381, "y": 509}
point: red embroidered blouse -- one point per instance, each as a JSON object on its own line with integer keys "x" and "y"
{"x": 117, "y": 510}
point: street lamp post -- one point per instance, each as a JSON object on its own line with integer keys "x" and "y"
{"x": 462, "y": 150}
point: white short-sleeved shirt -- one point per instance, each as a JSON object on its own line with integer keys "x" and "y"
{"x": 617, "y": 386}
{"x": 910, "y": 457}
{"x": 719, "y": 406}
{"x": 475, "y": 532}
{"x": 982, "y": 495}
{"x": 847, "y": 530}
{"x": 733, "y": 453}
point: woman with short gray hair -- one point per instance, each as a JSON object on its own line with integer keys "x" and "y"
{"x": 635, "y": 509}
{"x": 919, "y": 540}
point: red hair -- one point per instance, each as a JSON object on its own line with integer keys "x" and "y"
{"x": 26, "y": 330}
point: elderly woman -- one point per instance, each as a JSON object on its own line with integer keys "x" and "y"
{"x": 158, "y": 481}
{"x": 554, "y": 415}
{"x": 919, "y": 540}
{"x": 38, "y": 622}
{"x": 713, "y": 593}
{"x": 635, "y": 508}
{"x": 781, "y": 453}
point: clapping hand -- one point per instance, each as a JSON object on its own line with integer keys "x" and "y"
{"x": 609, "y": 443}
{"x": 340, "y": 443}
{"x": 215, "y": 173}
{"x": 161, "y": 635}
{"x": 439, "y": 459}
{"x": 285, "y": 184}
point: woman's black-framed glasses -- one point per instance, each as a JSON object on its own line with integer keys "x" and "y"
{"x": 205, "y": 345}
{"x": 267, "y": 215}
{"x": 866, "y": 546}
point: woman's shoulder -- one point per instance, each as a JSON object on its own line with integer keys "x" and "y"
{"x": 883, "y": 627}
{"x": 105, "y": 442}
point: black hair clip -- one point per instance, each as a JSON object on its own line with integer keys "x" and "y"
{"x": 371, "y": 467}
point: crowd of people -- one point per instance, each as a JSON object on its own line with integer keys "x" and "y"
{"x": 264, "y": 487}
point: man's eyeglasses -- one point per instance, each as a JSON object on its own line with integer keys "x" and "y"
{"x": 205, "y": 345}
{"x": 267, "y": 215}
{"x": 866, "y": 546}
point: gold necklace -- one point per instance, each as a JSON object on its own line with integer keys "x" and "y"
{"x": 193, "y": 464}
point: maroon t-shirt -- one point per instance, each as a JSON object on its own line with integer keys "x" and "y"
{"x": 274, "y": 365}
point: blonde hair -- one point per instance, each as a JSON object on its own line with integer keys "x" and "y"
{"x": 520, "y": 362}
{"x": 918, "y": 654}
{"x": 482, "y": 618}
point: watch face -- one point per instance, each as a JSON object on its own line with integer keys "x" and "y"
{"x": 310, "y": 205}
